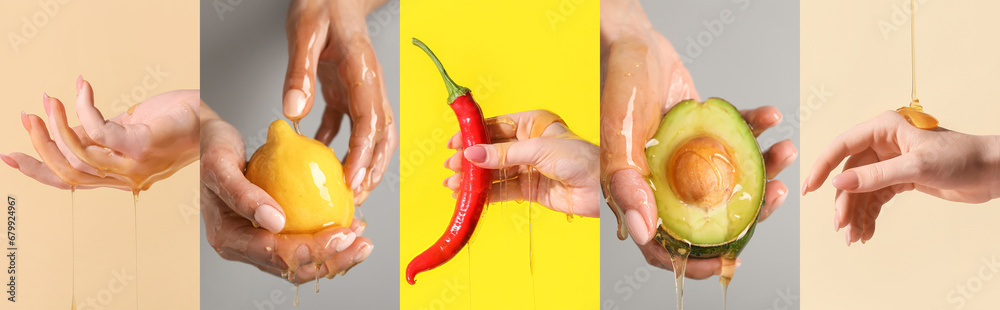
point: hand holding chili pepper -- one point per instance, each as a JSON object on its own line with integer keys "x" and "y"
{"x": 230, "y": 203}
{"x": 328, "y": 40}
{"x": 642, "y": 77}
{"x": 565, "y": 177}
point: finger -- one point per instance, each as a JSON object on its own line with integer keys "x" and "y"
{"x": 54, "y": 159}
{"x": 37, "y": 170}
{"x": 696, "y": 268}
{"x": 761, "y": 118}
{"x": 858, "y": 217}
{"x": 368, "y": 118}
{"x": 352, "y": 256}
{"x": 54, "y": 129}
{"x": 222, "y": 163}
{"x": 775, "y": 193}
{"x": 99, "y": 157}
{"x": 455, "y": 161}
{"x": 854, "y": 141}
{"x": 846, "y": 202}
{"x": 778, "y": 157}
{"x": 636, "y": 202}
{"x": 878, "y": 175}
{"x": 307, "y": 37}
{"x": 385, "y": 147}
{"x": 128, "y": 140}
{"x": 330, "y": 125}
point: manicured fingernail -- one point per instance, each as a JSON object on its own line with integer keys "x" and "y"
{"x": 10, "y": 161}
{"x": 781, "y": 198}
{"x": 804, "y": 188}
{"x": 847, "y": 235}
{"x": 45, "y": 103}
{"x": 739, "y": 263}
{"x": 476, "y": 154}
{"x": 294, "y": 103}
{"x": 344, "y": 241}
{"x": 847, "y": 180}
{"x": 356, "y": 180}
{"x": 836, "y": 223}
{"x": 25, "y": 122}
{"x": 269, "y": 218}
{"x": 363, "y": 253}
{"x": 79, "y": 83}
{"x": 636, "y": 227}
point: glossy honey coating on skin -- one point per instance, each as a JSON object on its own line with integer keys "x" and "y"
{"x": 305, "y": 178}
{"x": 702, "y": 173}
{"x": 915, "y": 115}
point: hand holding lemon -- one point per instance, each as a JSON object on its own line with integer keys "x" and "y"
{"x": 232, "y": 205}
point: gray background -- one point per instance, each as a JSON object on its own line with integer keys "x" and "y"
{"x": 243, "y": 59}
{"x": 753, "y": 61}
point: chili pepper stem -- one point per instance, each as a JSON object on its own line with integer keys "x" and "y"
{"x": 454, "y": 90}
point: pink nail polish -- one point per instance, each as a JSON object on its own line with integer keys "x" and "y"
{"x": 79, "y": 83}
{"x": 25, "y": 122}
{"x": 9, "y": 161}
{"x": 45, "y": 103}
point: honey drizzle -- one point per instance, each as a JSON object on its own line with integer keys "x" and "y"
{"x": 678, "y": 260}
{"x": 72, "y": 206}
{"x": 135, "y": 232}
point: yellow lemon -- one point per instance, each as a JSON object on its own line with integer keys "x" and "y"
{"x": 304, "y": 177}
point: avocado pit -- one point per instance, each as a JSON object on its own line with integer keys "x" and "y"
{"x": 702, "y": 173}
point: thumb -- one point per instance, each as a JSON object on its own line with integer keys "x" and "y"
{"x": 875, "y": 176}
{"x": 501, "y": 155}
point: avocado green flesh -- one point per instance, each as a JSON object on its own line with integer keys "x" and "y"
{"x": 722, "y": 229}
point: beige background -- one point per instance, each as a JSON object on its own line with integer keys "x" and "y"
{"x": 114, "y": 46}
{"x": 924, "y": 248}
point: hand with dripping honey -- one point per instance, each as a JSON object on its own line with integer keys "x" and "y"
{"x": 242, "y": 220}
{"x": 536, "y": 158}
{"x": 887, "y": 156}
{"x": 642, "y": 77}
{"x": 131, "y": 151}
{"x": 328, "y": 40}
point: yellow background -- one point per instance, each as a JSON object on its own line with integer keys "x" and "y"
{"x": 111, "y": 43}
{"x": 514, "y": 56}
{"x": 924, "y": 247}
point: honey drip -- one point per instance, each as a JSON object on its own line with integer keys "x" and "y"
{"x": 914, "y": 113}
{"x": 679, "y": 259}
{"x": 72, "y": 257}
{"x": 728, "y": 269}
{"x": 135, "y": 231}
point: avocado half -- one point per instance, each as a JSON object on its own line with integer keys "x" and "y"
{"x": 708, "y": 177}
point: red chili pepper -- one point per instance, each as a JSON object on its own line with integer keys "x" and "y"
{"x": 476, "y": 181}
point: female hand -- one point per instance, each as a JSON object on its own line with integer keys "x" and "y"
{"x": 642, "y": 78}
{"x": 131, "y": 151}
{"x": 537, "y": 158}
{"x": 233, "y": 208}
{"x": 888, "y": 156}
{"x": 328, "y": 39}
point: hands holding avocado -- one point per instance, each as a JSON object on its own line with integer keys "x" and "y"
{"x": 642, "y": 79}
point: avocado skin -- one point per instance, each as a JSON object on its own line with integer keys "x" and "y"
{"x": 730, "y": 249}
